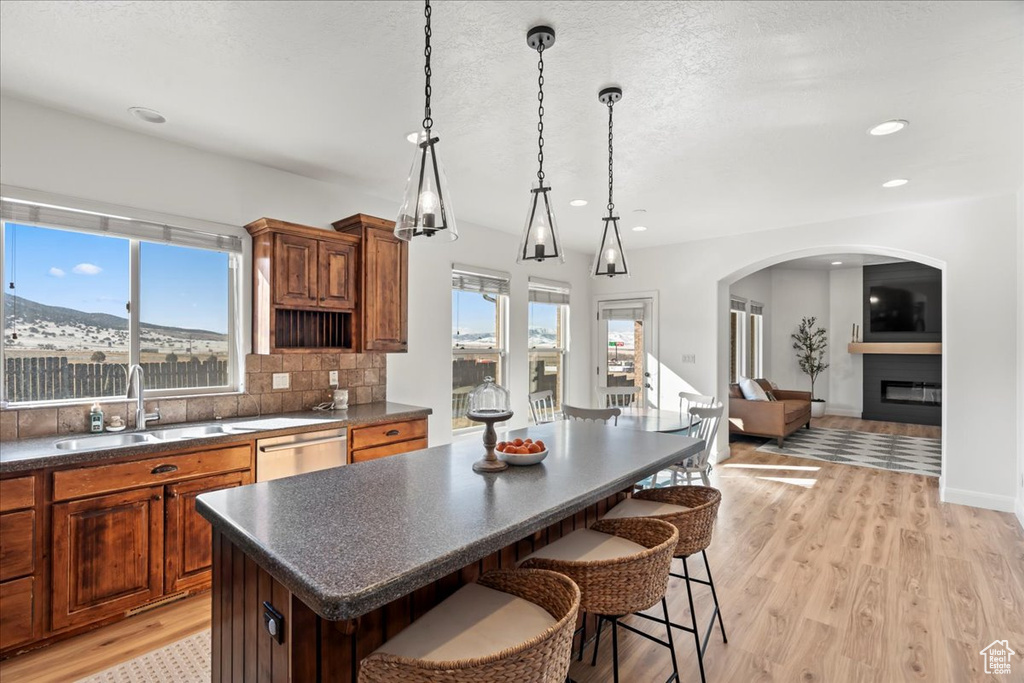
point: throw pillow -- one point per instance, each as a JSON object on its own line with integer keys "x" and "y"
{"x": 752, "y": 391}
{"x": 771, "y": 396}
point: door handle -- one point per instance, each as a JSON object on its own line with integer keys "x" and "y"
{"x": 164, "y": 469}
{"x": 647, "y": 385}
{"x": 647, "y": 374}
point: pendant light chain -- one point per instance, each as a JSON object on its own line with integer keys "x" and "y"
{"x": 428, "y": 122}
{"x": 540, "y": 113}
{"x": 611, "y": 176}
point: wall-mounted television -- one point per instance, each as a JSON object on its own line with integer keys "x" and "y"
{"x": 906, "y": 307}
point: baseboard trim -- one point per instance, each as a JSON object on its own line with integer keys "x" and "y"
{"x": 977, "y": 499}
{"x": 1020, "y": 510}
{"x": 838, "y": 412}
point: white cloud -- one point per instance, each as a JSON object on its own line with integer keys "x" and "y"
{"x": 86, "y": 269}
{"x": 56, "y": 272}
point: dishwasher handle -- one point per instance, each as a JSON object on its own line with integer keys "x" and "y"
{"x": 301, "y": 444}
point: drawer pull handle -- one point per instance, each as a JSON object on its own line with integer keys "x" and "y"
{"x": 392, "y": 432}
{"x": 164, "y": 469}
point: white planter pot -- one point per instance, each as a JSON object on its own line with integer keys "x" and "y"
{"x": 817, "y": 408}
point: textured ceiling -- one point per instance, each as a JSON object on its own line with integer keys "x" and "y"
{"x": 737, "y": 116}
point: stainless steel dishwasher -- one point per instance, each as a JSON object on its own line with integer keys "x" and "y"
{"x": 285, "y": 456}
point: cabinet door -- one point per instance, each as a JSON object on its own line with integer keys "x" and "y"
{"x": 188, "y": 545}
{"x": 107, "y": 555}
{"x": 337, "y": 281}
{"x": 294, "y": 269}
{"x": 17, "y": 604}
{"x": 386, "y": 292}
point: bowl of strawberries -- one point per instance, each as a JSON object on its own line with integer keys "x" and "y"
{"x": 521, "y": 451}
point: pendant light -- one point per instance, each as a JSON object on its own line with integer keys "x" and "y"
{"x": 540, "y": 234}
{"x": 610, "y": 260}
{"x": 426, "y": 206}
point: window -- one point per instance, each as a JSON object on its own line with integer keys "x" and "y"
{"x": 479, "y": 339}
{"x": 755, "y": 346}
{"x": 548, "y": 337}
{"x": 737, "y": 326}
{"x": 86, "y": 295}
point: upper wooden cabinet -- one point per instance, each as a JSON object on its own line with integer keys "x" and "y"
{"x": 305, "y": 288}
{"x": 384, "y": 309}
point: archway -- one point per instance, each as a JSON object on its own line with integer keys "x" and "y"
{"x": 728, "y": 279}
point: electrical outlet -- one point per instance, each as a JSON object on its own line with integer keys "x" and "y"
{"x": 689, "y": 358}
{"x": 332, "y": 378}
{"x": 281, "y": 380}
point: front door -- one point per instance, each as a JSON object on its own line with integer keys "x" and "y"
{"x": 625, "y": 341}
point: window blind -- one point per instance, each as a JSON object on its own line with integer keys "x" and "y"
{"x": 635, "y": 309}
{"x": 737, "y": 305}
{"x": 470, "y": 279}
{"x": 548, "y": 291}
{"x": 756, "y": 308}
{"x": 46, "y": 215}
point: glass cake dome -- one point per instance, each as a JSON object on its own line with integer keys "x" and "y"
{"x": 489, "y": 399}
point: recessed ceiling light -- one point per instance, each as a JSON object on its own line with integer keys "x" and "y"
{"x": 413, "y": 137}
{"x": 837, "y": 263}
{"x": 895, "y": 182}
{"x": 888, "y": 127}
{"x": 578, "y": 202}
{"x": 639, "y": 210}
{"x": 147, "y": 115}
{"x": 639, "y": 228}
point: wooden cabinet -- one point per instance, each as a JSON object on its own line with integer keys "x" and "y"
{"x": 381, "y": 440}
{"x": 17, "y": 612}
{"x": 187, "y": 544}
{"x": 384, "y": 310}
{"x": 20, "y": 561}
{"x": 17, "y": 544}
{"x": 305, "y": 288}
{"x": 107, "y": 555}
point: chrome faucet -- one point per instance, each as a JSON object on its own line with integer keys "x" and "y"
{"x": 135, "y": 385}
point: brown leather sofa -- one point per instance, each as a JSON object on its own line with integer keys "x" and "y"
{"x": 774, "y": 419}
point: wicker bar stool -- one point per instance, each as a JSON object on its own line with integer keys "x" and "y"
{"x": 693, "y": 511}
{"x": 512, "y": 625}
{"x": 621, "y": 566}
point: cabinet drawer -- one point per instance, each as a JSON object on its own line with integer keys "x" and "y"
{"x": 16, "y": 606}
{"x": 16, "y": 494}
{"x": 388, "y": 449}
{"x": 17, "y": 544}
{"x": 88, "y": 481}
{"x": 375, "y": 435}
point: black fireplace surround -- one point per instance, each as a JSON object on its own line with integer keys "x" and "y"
{"x": 903, "y": 388}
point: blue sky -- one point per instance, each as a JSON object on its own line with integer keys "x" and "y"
{"x": 180, "y": 287}
{"x": 472, "y": 313}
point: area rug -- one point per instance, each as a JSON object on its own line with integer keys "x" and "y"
{"x": 184, "y": 661}
{"x": 911, "y": 454}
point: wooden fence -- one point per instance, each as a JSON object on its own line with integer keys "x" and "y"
{"x": 50, "y": 378}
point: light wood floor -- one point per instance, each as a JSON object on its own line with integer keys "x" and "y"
{"x": 825, "y": 572}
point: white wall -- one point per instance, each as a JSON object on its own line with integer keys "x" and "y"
{"x": 797, "y": 294}
{"x": 52, "y": 151}
{"x": 846, "y": 374}
{"x": 1020, "y": 356}
{"x": 976, "y": 244}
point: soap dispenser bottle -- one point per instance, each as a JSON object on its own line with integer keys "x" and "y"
{"x": 96, "y": 419}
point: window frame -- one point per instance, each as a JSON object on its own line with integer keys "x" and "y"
{"x": 236, "y": 292}
{"x": 738, "y": 353}
{"x": 501, "y": 349}
{"x": 562, "y": 347}
{"x": 755, "y": 338}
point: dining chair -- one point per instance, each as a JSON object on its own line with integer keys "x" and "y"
{"x": 705, "y": 430}
{"x": 593, "y": 414}
{"x": 460, "y": 401}
{"x": 542, "y": 406}
{"x": 689, "y": 400}
{"x": 619, "y": 397}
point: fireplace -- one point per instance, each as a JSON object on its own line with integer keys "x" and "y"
{"x": 911, "y": 393}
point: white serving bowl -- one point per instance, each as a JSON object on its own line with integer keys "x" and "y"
{"x": 521, "y": 460}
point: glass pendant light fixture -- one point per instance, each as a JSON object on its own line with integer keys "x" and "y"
{"x": 610, "y": 260}
{"x": 426, "y": 206}
{"x": 540, "y": 234}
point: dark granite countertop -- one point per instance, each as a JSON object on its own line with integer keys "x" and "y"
{"x": 30, "y": 454}
{"x": 350, "y": 539}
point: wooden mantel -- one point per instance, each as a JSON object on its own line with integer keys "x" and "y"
{"x": 903, "y": 348}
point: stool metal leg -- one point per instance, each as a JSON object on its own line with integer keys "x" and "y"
{"x": 671, "y": 645}
{"x": 597, "y": 640}
{"x": 583, "y": 638}
{"x": 615, "y": 650}
{"x": 693, "y": 619}
{"x": 711, "y": 582}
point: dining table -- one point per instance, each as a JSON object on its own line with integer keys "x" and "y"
{"x": 657, "y": 420}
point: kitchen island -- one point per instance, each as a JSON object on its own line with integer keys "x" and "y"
{"x": 338, "y": 561}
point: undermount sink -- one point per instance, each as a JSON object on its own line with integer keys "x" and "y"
{"x": 175, "y": 433}
{"x": 104, "y": 441}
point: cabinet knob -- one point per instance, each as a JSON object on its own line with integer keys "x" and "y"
{"x": 157, "y": 497}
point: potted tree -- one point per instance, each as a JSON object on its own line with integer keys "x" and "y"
{"x": 810, "y": 343}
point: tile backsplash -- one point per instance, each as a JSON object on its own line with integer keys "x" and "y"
{"x": 363, "y": 374}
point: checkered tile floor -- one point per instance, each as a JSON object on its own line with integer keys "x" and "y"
{"x": 915, "y": 455}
